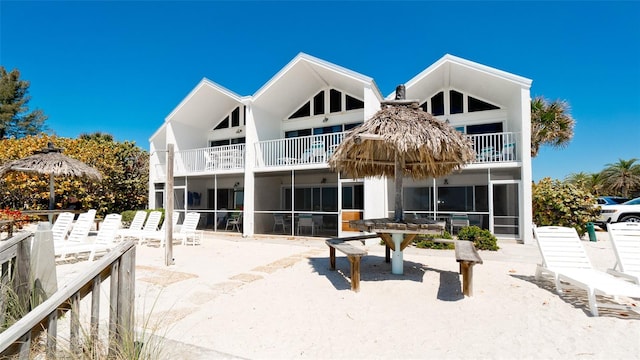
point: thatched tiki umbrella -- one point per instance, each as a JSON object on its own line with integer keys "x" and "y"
{"x": 402, "y": 140}
{"x": 51, "y": 161}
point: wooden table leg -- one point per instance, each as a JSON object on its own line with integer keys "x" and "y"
{"x": 332, "y": 257}
{"x": 387, "y": 254}
{"x": 467, "y": 278}
{"x": 355, "y": 272}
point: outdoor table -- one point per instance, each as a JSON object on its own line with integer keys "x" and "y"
{"x": 398, "y": 235}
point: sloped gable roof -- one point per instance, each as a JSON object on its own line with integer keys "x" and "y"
{"x": 302, "y": 77}
{"x": 458, "y": 73}
{"x": 206, "y": 101}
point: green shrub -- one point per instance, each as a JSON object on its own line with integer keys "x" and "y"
{"x": 558, "y": 203}
{"x": 427, "y": 241}
{"x": 127, "y": 217}
{"x": 482, "y": 239}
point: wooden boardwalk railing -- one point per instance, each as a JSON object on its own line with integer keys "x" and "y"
{"x": 118, "y": 265}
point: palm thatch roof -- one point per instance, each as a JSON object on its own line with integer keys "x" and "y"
{"x": 51, "y": 161}
{"x": 426, "y": 147}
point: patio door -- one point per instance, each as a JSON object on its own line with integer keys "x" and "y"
{"x": 505, "y": 210}
{"x": 352, "y": 203}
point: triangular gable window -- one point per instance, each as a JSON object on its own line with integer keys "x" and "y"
{"x": 305, "y": 110}
{"x": 234, "y": 117}
{"x": 223, "y": 124}
{"x": 479, "y": 105}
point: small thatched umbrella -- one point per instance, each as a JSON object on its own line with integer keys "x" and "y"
{"x": 51, "y": 161}
{"x": 401, "y": 140}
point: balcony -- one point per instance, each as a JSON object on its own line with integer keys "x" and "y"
{"x": 305, "y": 150}
{"x": 316, "y": 149}
{"x": 228, "y": 158}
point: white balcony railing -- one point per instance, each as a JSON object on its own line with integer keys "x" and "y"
{"x": 316, "y": 150}
{"x": 499, "y": 147}
{"x": 228, "y": 157}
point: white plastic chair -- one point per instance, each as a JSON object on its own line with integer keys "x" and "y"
{"x": 279, "y": 221}
{"x": 234, "y": 221}
{"x": 458, "y": 221}
{"x": 625, "y": 239}
{"x": 61, "y": 226}
{"x": 306, "y": 221}
{"x": 314, "y": 152}
{"x": 78, "y": 235}
{"x": 150, "y": 226}
{"x": 135, "y": 226}
{"x": 159, "y": 234}
{"x": 188, "y": 230}
{"x": 564, "y": 258}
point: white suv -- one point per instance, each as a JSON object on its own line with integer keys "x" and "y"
{"x": 625, "y": 212}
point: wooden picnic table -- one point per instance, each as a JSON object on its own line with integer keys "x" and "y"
{"x": 398, "y": 235}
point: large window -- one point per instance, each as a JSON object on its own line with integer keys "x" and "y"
{"x": 456, "y": 104}
{"x": 224, "y": 142}
{"x": 450, "y": 198}
{"x": 232, "y": 119}
{"x": 338, "y": 102}
{"x": 321, "y": 130}
{"x": 324, "y": 198}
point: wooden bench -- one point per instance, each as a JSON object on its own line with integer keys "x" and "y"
{"x": 353, "y": 253}
{"x": 467, "y": 256}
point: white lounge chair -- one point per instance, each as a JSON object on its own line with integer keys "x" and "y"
{"x": 625, "y": 239}
{"x": 145, "y": 236}
{"x": 135, "y": 226}
{"x": 150, "y": 226}
{"x": 564, "y": 257}
{"x": 78, "y": 235}
{"x": 61, "y": 226}
{"x": 106, "y": 238}
{"x": 103, "y": 241}
{"x": 188, "y": 230}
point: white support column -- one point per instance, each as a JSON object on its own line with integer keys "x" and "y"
{"x": 396, "y": 258}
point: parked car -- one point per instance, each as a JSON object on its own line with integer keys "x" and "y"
{"x": 611, "y": 200}
{"x": 628, "y": 211}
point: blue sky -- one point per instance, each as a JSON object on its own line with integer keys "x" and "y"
{"x": 121, "y": 67}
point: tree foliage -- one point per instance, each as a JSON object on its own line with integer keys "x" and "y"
{"x": 123, "y": 165}
{"x": 558, "y": 203}
{"x": 551, "y": 124}
{"x": 16, "y": 121}
{"x": 622, "y": 177}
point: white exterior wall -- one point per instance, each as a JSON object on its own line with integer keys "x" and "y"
{"x": 375, "y": 189}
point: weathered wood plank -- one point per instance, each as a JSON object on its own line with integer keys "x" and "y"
{"x": 353, "y": 255}
{"x": 34, "y": 318}
{"x": 467, "y": 256}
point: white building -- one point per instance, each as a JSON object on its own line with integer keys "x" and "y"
{"x": 264, "y": 156}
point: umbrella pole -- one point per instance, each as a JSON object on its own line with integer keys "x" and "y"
{"x": 397, "y": 262}
{"x": 52, "y": 197}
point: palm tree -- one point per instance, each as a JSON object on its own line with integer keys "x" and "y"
{"x": 621, "y": 177}
{"x": 580, "y": 179}
{"x": 551, "y": 124}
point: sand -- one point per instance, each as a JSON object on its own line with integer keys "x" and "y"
{"x": 275, "y": 298}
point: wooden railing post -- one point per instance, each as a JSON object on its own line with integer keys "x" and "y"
{"x": 21, "y": 283}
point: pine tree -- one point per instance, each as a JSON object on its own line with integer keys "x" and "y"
{"x": 15, "y": 118}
